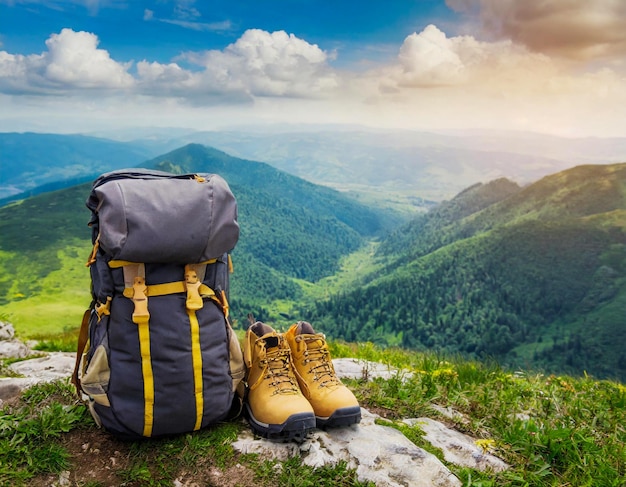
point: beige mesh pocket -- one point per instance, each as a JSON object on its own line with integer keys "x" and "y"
{"x": 237, "y": 368}
{"x": 95, "y": 381}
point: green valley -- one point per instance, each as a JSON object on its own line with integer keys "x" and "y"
{"x": 532, "y": 276}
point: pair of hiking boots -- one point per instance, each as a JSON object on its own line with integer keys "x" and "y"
{"x": 292, "y": 386}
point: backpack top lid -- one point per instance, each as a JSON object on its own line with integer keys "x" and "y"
{"x": 152, "y": 216}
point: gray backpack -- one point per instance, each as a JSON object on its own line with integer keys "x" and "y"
{"x": 156, "y": 353}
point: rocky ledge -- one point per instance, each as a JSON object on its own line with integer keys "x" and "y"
{"x": 379, "y": 453}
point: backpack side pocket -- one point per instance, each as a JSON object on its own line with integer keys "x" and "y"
{"x": 95, "y": 380}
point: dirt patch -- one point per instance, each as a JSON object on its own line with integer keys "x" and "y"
{"x": 100, "y": 459}
{"x": 95, "y": 457}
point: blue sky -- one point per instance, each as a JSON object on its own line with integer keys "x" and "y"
{"x": 555, "y": 66}
{"x": 160, "y": 30}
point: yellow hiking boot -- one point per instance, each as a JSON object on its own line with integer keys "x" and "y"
{"x": 275, "y": 406}
{"x": 333, "y": 403}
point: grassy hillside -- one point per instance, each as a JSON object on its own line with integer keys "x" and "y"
{"x": 44, "y": 241}
{"x": 440, "y": 226}
{"x": 44, "y": 244}
{"x": 536, "y": 279}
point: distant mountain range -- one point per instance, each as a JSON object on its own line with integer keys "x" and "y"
{"x": 402, "y": 169}
{"x": 34, "y": 163}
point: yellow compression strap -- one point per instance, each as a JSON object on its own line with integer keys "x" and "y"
{"x": 136, "y": 290}
{"x": 196, "y": 357}
{"x": 142, "y": 318}
{"x": 115, "y": 264}
{"x": 148, "y": 378}
{"x": 193, "y": 303}
{"x": 171, "y": 288}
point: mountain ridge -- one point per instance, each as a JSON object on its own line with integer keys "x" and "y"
{"x": 547, "y": 260}
{"x": 39, "y": 236}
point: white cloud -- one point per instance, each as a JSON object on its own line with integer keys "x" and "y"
{"x": 258, "y": 64}
{"x": 268, "y": 64}
{"x": 430, "y": 58}
{"x": 71, "y": 62}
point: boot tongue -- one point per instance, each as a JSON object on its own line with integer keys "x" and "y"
{"x": 271, "y": 341}
{"x": 265, "y": 333}
{"x": 314, "y": 342}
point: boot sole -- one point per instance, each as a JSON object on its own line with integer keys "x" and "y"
{"x": 341, "y": 417}
{"x": 296, "y": 427}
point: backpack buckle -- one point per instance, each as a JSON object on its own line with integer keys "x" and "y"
{"x": 192, "y": 283}
{"x": 103, "y": 308}
{"x": 141, "y": 314}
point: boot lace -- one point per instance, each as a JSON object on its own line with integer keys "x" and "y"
{"x": 321, "y": 364}
{"x": 278, "y": 362}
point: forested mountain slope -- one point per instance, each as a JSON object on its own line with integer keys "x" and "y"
{"x": 439, "y": 226}
{"x": 265, "y": 180}
{"x": 289, "y": 229}
{"x": 537, "y": 278}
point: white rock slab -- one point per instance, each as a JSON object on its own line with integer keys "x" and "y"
{"x": 457, "y": 447}
{"x": 54, "y": 365}
{"x": 379, "y": 454}
{"x": 351, "y": 368}
{"x": 13, "y": 349}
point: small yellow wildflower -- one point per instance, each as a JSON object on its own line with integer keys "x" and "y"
{"x": 447, "y": 373}
{"x": 486, "y": 445}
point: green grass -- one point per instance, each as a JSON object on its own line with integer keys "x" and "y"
{"x": 292, "y": 473}
{"x": 48, "y": 293}
{"x": 33, "y": 446}
{"x": 552, "y": 430}
{"x": 31, "y": 435}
